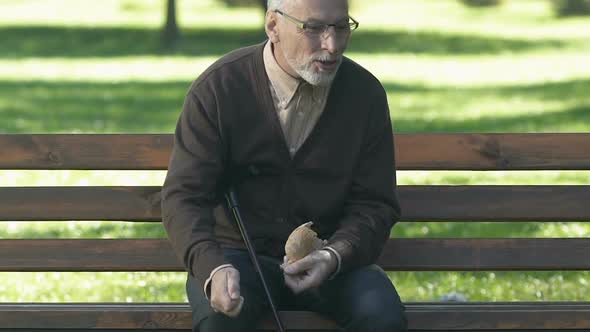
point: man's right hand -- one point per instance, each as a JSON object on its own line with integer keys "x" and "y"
{"x": 225, "y": 292}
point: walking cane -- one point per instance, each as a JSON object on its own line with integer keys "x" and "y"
{"x": 233, "y": 203}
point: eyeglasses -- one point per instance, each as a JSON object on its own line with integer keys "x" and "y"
{"x": 320, "y": 29}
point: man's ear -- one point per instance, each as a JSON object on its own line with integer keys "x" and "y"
{"x": 270, "y": 26}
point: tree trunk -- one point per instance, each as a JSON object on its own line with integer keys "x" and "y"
{"x": 171, "y": 33}
{"x": 572, "y": 7}
{"x": 481, "y": 3}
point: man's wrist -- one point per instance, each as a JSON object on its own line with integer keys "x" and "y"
{"x": 207, "y": 285}
{"x": 332, "y": 261}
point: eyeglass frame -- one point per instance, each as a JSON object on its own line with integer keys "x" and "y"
{"x": 302, "y": 25}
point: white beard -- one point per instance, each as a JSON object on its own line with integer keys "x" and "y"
{"x": 309, "y": 75}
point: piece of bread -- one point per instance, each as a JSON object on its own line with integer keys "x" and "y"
{"x": 301, "y": 242}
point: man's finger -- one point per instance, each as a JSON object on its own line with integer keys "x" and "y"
{"x": 239, "y": 303}
{"x": 226, "y": 284}
{"x": 297, "y": 283}
{"x": 292, "y": 281}
{"x": 219, "y": 294}
{"x": 299, "y": 266}
{"x": 233, "y": 284}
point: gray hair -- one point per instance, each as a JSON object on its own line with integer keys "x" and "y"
{"x": 274, "y": 4}
{"x": 278, "y": 4}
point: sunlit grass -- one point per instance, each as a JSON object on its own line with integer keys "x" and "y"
{"x": 493, "y": 286}
{"x": 13, "y": 178}
{"x": 19, "y": 178}
{"x": 529, "y": 19}
{"x": 124, "y": 69}
{"x": 430, "y": 70}
{"x": 136, "y": 13}
{"x": 92, "y": 287}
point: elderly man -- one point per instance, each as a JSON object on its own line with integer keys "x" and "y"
{"x": 302, "y": 134}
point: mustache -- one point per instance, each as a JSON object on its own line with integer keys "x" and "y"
{"x": 327, "y": 58}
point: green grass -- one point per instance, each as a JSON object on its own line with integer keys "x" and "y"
{"x": 92, "y": 287}
{"x": 72, "y": 66}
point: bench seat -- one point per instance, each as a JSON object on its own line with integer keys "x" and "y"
{"x": 432, "y": 316}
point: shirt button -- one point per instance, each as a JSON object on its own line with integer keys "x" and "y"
{"x": 292, "y": 150}
{"x": 300, "y": 113}
{"x": 280, "y": 220}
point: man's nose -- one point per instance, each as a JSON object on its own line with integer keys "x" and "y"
{"x": 331, "y": 42}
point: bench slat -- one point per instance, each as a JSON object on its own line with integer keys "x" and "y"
{"x": 557, "y": 151}
{"x": 80, "y": 203}
{"x": 398, "y": 254}
{"x": 420, "y": 203}
{"x": 421, "y": 316}
{"x": 85, "y": 151}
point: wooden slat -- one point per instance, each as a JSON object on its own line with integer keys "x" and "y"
{"x": 419, "y": 203}
{"x": 495, "y": 203}
{"x": 499, "y": 316}
{"x": 88, "y": 255}
{"x": 398, "y": 254}
{"x": 421, "y": 317}
{"x": 85, "y": 151}
{"x": 482, "y": 254}
{"x": 557, "y": 151}
{"x": 80, "y": 203}
{"x": 493, "y": 151}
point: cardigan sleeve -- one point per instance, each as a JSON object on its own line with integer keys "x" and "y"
{"x": 189, "y": 191}
{"x": 372, "y": 207}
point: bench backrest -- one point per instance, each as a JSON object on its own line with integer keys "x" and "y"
{"x": 420, "y": 203}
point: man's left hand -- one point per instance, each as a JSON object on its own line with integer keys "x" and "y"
{"x": 310, "y": 271}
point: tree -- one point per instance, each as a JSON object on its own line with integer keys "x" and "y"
{"x": 171, "y": 33}
{"x": 572, "y": 7}
{"x": 481, "y": 3}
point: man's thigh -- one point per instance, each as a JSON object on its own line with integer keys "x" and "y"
{"x": 359, "y": 300}
{"x": 255, "y": 302}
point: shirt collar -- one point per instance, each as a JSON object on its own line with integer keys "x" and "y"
{"x": 285, "y": 85}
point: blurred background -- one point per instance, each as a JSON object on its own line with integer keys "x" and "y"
{"x": 124, "y": 66}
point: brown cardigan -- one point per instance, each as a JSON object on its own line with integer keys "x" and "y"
{"x": 228, "y": 134}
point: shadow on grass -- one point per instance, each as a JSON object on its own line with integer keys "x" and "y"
{"x": 19, "y": 42}
{"x": 139, "y": 107}
{"x": 135, "y": 107}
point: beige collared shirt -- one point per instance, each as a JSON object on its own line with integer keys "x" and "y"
{"x": 298, "y": 103}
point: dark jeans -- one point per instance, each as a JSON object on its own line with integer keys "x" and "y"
{"x": 360, "y": 300}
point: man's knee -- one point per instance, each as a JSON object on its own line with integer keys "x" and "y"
{"x": 374, "y": 304}
{"x": 372, "y": 313}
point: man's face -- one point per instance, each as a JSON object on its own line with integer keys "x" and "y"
{"x": 313, "y": 57}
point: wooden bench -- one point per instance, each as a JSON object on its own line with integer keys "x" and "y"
{"x": 420, "y": 203}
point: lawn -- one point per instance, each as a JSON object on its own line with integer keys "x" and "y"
{"x": 97, "y": 67}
